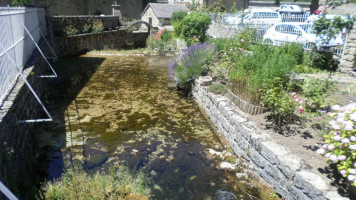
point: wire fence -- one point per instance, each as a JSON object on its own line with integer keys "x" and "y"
{"x": 278, "y": 29}
{"x": 16, "y": 43}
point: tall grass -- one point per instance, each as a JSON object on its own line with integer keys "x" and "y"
{"x": 77, "y": 184}
{"x": 251, "y": 72}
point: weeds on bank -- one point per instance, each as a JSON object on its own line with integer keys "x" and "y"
{"x": 75, "y": 183}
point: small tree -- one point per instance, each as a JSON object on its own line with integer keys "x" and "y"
{"x": 176, "y": 19}
{"x": 330, "y": 28}
{"x": 20, "y": 2}
{"x": 194, "y": 27}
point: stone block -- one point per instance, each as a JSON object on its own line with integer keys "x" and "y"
{"x": 310, "y": 183}
{"x": 271, "y": 151}
{"x": 297, "y": 194}
{"x": 334, "y": 195}
{"x": 257, "y": 158}
{"x": 289, "y": 164}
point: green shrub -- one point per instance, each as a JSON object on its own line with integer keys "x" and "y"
{"x": 70, "y": 30}
{"x": 176, "y": 20}
{"x": 166, "y": 36}
{"x": 218, "y": 88}
{"x": 20, "y": 2}
{"x": 194, "y": 27}
{"x": 162, "y": 41}
{"x": 276, "y": 97}
{"x": 77, "y": 184}
{"x": 86, "y": 28}
{"x": 220, "y": 43}
{"x": 316, "y": 92}
{"x": 98, "y": 26}
{"x": 178, "y": 15}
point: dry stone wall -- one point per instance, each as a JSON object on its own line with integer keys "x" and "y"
{"x": 348, "y": 62}
{"x": 79, "y": 44}
{"x": 273, "y": 162}
{"x": 57, "y": 24}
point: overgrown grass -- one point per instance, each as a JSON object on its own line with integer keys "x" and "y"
{"x": 77, "y": 184}
{"x": 250, "y": 73}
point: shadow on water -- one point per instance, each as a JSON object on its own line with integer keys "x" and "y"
{"x": 51, "y": 136}
{"x": 128, "y": 112}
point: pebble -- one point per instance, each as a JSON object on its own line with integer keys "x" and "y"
{"x": 227, "y": 166}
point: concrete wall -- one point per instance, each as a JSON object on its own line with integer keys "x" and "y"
{"x": 149, "y": 13}
{"x": 275, "y": 163}
{"x": 16, "y": 141}
{"x": 129, "y": 8}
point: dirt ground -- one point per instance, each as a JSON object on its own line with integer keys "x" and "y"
{"x": 343, "y": 9}
{"x": 305, "y": 138}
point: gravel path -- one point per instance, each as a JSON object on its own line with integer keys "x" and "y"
{"x": 343, "y": 9}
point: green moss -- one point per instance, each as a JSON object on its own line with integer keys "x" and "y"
{"x": 218, "y": 88}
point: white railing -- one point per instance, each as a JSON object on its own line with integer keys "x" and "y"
{"x": 16, "y": 42}
{"x": 277, "y": 29}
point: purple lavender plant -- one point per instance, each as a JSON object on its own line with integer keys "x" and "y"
{"x": 191, "y": 62}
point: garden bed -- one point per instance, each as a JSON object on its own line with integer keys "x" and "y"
{"x": 250, "y": 137}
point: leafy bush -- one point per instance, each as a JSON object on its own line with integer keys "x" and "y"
{"x": 191, "y": 62}
{"x": 70, "y": 30}
{"x": 176, "y": 20}
{"x": 218, "y": 88}
{"x": 166, "y": 36}
{"x": 279, "y": 101}
{"x": 98, "y": 26}
{"x": 194, "y": 27}
{"x": 178, "y": 15}
{"x": 20, "y": 2}
{"x": 340, "y": 143}
{"x": 316, "y": 92}
{"x": 330, "y": 28}
{"x": 162, "y": 41}
{"x": 86, "y": 28}
{"x": 77, "y": 184}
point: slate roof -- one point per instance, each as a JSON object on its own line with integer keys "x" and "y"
{"x": 164, "y": 10}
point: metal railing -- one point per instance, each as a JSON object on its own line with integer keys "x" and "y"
{"x": 16, "y": 42}
{"x": 278, "y": 29}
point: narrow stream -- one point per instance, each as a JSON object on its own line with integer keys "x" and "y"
{"x": 112, "y": 110}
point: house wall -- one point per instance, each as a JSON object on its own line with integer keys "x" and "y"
{"x": 227, "y": 3}
{"x": 5, "y": 2}
{"x": 129, "y": 8}
{"x": 149, "y": 13}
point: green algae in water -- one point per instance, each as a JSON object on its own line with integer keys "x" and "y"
{"x": 130, "y": 115}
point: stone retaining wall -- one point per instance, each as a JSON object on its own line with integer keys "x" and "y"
{"x": 57, "y": 24}
{"x": 273, "y": 162}
{"x": 348, "y": 63}
{"x": 79, "y": 44}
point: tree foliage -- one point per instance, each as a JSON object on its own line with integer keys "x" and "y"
{"x": 20, "y": 2}
{"x": 194, "y": 27}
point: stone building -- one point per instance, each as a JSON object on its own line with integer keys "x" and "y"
{"x": 129, "y": 8}
{"x": 159, "y": 14}
{"x": 227, "y": 4}
{"x": 5, "y": 2}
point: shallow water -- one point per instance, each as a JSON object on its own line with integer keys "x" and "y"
{"x": 112, "y": 110}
